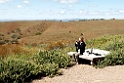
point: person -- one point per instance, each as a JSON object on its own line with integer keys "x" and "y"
{"x": 76, "y": 45}
{"x": 80, "y": 48}
{"x": 77, "y": 42}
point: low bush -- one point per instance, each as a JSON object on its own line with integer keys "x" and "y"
{"x": 106, "y": 42}
{"x": 55, "y": 45}
{"x": 18, "y": 71}
{"x": 22, "y": 68}
{"x": 54, "y": 56}
{"x": 2, "y": 42}
{"x": 115, "y": 45}
{"x": 50, "y": 69}
{"x": 38, "y": 33}
{"x": 16, "y": 36}
{"x": 12, "y": 50}
{"x": 62, "y": 60}
{"x": 116, "y": 57}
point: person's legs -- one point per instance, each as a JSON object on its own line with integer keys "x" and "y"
{"x": 74, "y": 57}
{"x": 77, "y": 57}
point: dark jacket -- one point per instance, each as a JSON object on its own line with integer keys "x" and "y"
{"x": 76, "y": 45}
{"x": 81, "y": 46}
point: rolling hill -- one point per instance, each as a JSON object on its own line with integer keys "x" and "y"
{"x": 51, "y": 31}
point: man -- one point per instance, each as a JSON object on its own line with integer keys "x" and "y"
{"x": 80, "y": 46}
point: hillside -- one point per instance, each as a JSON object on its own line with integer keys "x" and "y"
{"x": 48, "y": 31}
{"x": 40, "y": 61}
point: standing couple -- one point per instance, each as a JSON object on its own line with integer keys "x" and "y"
{"x": 80, "y": 48}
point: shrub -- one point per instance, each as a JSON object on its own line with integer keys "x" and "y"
{"x": 12, "y": 50}
{"x": 62, "y": 60}
{"x": 17, "y": 71}
{"x": 115, "y": 46}
{"x": 16, "y": 36}
{"x": 52, "y": 60}
{"x": 116, "y": 57}
{"x": 18, "y": 30}
{"x": 19, "y": 68}
{"x": 55, "y": 45}
{"x": 52, "y": 57}
{"x": 50, "y": 69}
{"x": 2, "y": 42}
{"x": 38, "y": 33}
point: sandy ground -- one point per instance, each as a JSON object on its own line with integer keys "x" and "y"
{"x": 87, "y": 74}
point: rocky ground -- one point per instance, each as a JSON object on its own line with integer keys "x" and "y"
{"x": 87, "y": 74}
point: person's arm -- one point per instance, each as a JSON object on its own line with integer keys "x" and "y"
{"x": 76, "y": 44}
{"x": 82, "y": 45}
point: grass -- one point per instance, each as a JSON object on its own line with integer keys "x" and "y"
{"x": 114, "y": 44}
{"x": 62, "y": 31}
{"x": 23, "y": 67}
{"x": 13, "y": 49}
{"x": 44, "y": 54}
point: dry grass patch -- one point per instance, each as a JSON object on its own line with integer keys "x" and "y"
{"x": 55, "y": 45}
{"x": 50, "y": 31}
{"x": 14, "y": 49}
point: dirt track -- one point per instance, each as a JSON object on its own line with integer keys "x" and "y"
{"x": 87, "y": 74}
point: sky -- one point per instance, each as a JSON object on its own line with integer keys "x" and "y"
{"x": 61, "y": 9}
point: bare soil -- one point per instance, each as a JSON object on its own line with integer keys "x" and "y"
{"x": 87, "y": 74}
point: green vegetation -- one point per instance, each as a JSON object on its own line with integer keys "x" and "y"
{"x": 22, "y": 66}
{"x": 114, "y": 44}
{"x": 17, "y": 70}
{"x": 10, "y": 37}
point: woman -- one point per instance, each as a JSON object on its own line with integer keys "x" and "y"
{"x": 80, "y": 46}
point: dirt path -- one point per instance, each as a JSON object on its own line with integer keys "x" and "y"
{"x": 87, "y": 74}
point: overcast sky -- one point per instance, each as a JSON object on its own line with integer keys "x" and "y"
{"x": 61, "y": 9}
